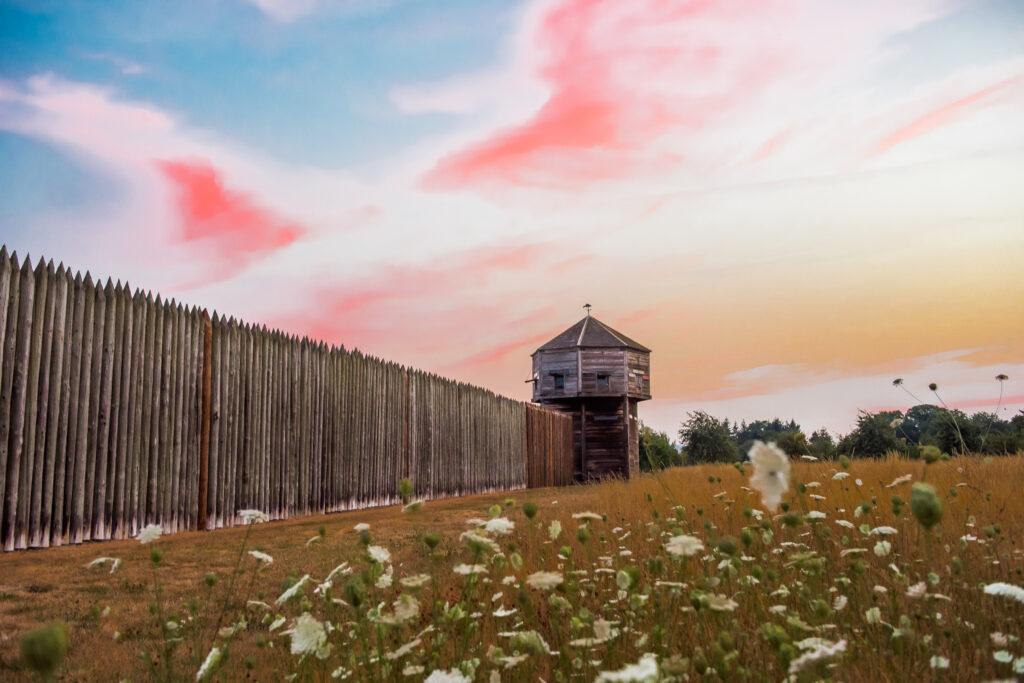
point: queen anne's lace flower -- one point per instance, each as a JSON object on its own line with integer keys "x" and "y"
{"x": 771, "y": 472}
{"x": 149, "y": 533}
{"x": 500, "y": 525}
{"x": 309, "y": 636}
{"x": 544, "y": 580}
{"x": 379, "y": 554}
{"x": 684, "y": 546}
{"x": 644, "y": 671}
{"x": 253, "y": 516}
{"x": 209, "y": 664}
{"x": 1005, "y": 590}
{"x": 262, "y": 557}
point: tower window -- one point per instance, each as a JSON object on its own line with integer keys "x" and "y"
{"x": 603, "y": 381}
{"x": 559, "y": 381}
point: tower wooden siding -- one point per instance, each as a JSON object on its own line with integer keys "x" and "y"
{"x": 603, "y": 374}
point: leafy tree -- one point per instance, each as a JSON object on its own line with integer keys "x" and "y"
{"x": 656, "y": 451}
{"x": 761, "y": 430}
{"x": 792, "y": 442}
{"x": 821, "y": 445}
{"x": 873, "y": 437}
{"x": 707, "y": 439}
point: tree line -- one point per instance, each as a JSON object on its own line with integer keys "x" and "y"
{"x": 704, "y": 438}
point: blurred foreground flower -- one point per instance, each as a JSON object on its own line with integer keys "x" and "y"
{"x": 308, "y": 636}
{"x": 44, "y": 648}
{"x": 209, "y": 665}
{"x": 1005, "y": 590}
{"x": 544, "y": 580}
{"x": 115, "y": 562}
{"x": 149, "y": 533}
{"x": 253, "y": 516}
{"x": 645, "y": 670}
{"x": 818, "y": 650}
{"x": 771, "y": 472}
{"x": 684, "y": 546}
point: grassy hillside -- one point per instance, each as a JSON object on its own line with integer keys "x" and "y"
{"x": 847, "y": 583}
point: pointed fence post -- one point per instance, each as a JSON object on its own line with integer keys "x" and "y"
{"x": 204, "y": 421}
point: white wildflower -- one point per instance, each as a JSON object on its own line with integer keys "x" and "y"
{"x": 262, "y": 557}
{"x": 253, "y": 516}
{"x": 412, "y": 670}
{"x": 873, "y": 615}
{"x": 882, "y": 548}
{"x": 684, "y": 546}
{"x": 882, "y": 531}
{"x": 500, "y": 525}
{"x": 1002, "y": 656}
{"x": 1005, "y": 590}
{"x": 467, "y": 569}
{"x": 502, "y": 612}
{"x": 821, "y": 651}
{"x": 554, "y": 529}
{"x": 276, "y": 623}
{"x": 939, "y": 662}
{"x": 417, "y": 581}
{"x": 644, "y": 671}
{"x": 209, "y": 664}
{"x": 839, "y": 604}
{"x": 379, "y": 554}
{"x": 544, "y": 580}
{"x": 309, "y": 636}
{"x": 405, "y": 649}
{"x": 413, "y": 506}
{"x": 291, "y": 592}
{"x": 384, "y": 580}
{"x": 450, "y": 676}
{"x": 816, "y": 514}
{"x": 815, "y": 496}
{"x": 999, "y": 639}
{"x": 771, "y": 472}
{"x": 808, "y": 458}
{"x": 721, "y": 603}
{"x": 899, "y": 480}
{"x": 115, "y": 562}
{"x": 858, "y": 482}
{"x": 845, "y": 523}
{"x": 917, "y": 591}
{"x": 840, "y": 475}
{"x": 478, "y": 541}
{"x": 149, "y": 533}
{"x": 361, "y": 527}
{"x": 588, "y": 516}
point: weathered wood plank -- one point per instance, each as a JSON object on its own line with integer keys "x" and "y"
{"x": 53, "y": 468}
{"x": 16, "y": 349}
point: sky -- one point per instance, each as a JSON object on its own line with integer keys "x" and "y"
{"x": 791, "y": 202}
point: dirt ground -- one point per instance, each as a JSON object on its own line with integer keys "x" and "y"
{"x": 53, "y": 584}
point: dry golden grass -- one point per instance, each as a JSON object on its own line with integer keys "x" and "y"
{"x": 46, "y": 585}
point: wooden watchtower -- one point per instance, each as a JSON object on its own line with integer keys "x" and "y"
{"x": 598, "y": 375}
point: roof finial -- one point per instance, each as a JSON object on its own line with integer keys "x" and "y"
{"x": 587, "y": 306}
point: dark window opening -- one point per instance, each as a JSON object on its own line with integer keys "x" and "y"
{"x": 606, "y": 418}
{"x": 603, "y": 381}
{"x": 559, "y": 381}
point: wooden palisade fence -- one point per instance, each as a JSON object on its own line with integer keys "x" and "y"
{"x": 119, "y": 410}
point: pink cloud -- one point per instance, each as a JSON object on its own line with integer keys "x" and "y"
{"x": 367, "y": 312}
{"x": 227, "y": 225}
{"x": 613, "y": 73}
{"x": 945, "y": 115}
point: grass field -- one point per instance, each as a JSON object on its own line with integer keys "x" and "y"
{"x": 846, "y": 584}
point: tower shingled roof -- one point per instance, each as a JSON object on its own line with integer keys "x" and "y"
{"x": 591, "y": 332}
